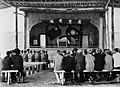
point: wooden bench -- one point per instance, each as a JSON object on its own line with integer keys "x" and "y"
{"x": 61, "y": 73}
{"x": 32, "y": 67}
{"x": 8, "y": 72}
{"x": 115, "y": 71}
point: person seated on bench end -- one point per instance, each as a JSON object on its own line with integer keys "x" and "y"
{"x": 7, "y": 64}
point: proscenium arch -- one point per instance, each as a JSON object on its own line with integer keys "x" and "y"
{"x": 88, "y": 29}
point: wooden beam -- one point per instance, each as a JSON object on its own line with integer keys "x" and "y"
{"x": 58, "y": 4}
{"x": 106, "y": 7}
{"x": 25, "y": 31}
{"x": 16, "y": 25}
{"x": 112, "y": 23}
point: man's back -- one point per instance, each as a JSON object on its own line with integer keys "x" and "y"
{"x": 116, "y": 58}
{"x": 108, "y": 62}
{"x": 58, "y": 60}
{"x": 99, "y": 61}
{"x": 80, "y": 61}
{"x": 7, "y": 62}
{"x": 17, "y": 62}
{"x": 68, "y": 63}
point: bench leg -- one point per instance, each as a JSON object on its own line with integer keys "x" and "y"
{"x": 118, "y": 78}
{"x": 8, "y": 79}
{"x": 73, "y": 76}
{"x": 62, "y": 78}
{"x": 57, "y": 77}
{"x": 22, "y": 78}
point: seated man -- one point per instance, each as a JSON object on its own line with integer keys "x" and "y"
{"x": 68, "y": 64}
{"x": 17, "y": 63}
{"x": 89, "y": 66}
{"x": 80, "y": 66}
{"x": 108, "y": 61}
{"x": 7, "y": 64}
{"x": 116, "y": 57}
{"x": 57, "y": 64}
{"x": 99, "y": 60}
{"x": 108, "y": 64}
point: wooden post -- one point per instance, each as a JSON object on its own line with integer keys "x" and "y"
{"x": 108, "y": 36}
{"x": 112, "y": 19}
{"x": 16, "y": 25}
{"x": 104, "y": 32}
{"x": 25, "y": 30}
{"x": 101, "y": 34}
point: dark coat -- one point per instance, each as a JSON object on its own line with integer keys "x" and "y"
{"x": 79, "y": 62}
{"x": 44, "y": 57}
{"x": 7, "y": 62}
{"x": 68, "y": 63}
{"x": 99, "y": 61}
{"x": 17, "y": 62}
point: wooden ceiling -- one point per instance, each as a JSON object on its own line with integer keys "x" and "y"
{"x": 4, "y": 4}
{"x": 57, "y": 3}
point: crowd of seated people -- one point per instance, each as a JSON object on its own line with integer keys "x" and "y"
{"x": 35, "y": 56}
{"x": 90, "y": 60}
{"x": 14, "y": 60}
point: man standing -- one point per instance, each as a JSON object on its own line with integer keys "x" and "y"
{"x": 116, "y": 58}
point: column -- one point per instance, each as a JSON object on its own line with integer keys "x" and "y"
{"x": 25, "y": 31}
{"x": 101, "y": 35}
{"x": 104, "y": 32}
{"x": 107, "y": 29}
{"x": 112, "y": 25}
{"x": 27, "y": 39}
{"x": 16, "y": 25}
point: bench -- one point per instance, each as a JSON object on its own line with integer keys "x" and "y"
{"x": 8, "y": 72}
{"x": 61, "y": 79}
{"x": 62, "y": 72}
{"x": 32, "y": 67}
{"x": 115, "y": 71}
